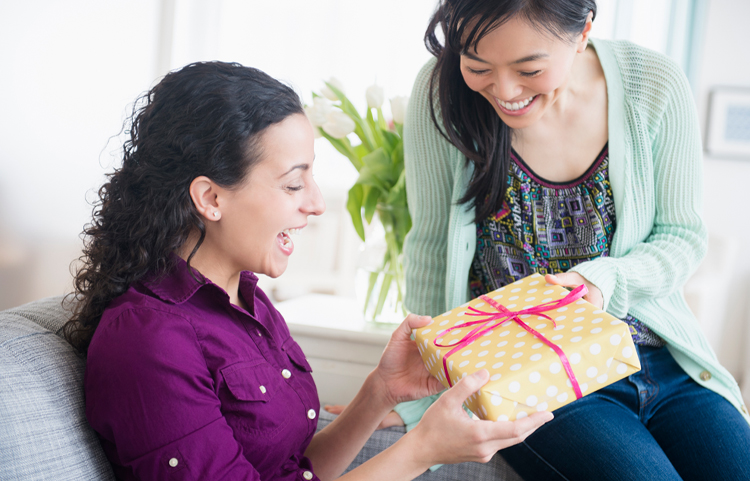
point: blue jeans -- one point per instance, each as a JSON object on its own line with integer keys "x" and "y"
{"x": 657, "y": 424}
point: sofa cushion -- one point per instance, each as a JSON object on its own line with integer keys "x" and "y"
{"x": 43, "y": 429}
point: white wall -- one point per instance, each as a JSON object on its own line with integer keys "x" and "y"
{"x": 726, "y": 62}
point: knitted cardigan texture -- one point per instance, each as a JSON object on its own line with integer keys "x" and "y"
{"x": 656, "y": 177}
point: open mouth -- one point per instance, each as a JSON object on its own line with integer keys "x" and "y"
{"x": 285, "y": 239}
{"x": 518, "y": 107}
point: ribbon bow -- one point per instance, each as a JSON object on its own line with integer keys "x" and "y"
{"x": 494, "y": 319}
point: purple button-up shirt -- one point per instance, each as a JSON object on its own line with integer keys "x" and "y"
{"x": 181, "y": 384}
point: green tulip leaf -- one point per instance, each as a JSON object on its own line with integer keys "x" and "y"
{"x": 354, "y": 206}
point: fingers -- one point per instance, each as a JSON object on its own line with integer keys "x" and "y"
{"x": 412, "y": 321}
{"x": 335, "y": 408}
{"x": 509, "y": 433}
{"x": 391, "y": 419}
{"x": 564, "y": 279}
{"x": 467, "y": 386}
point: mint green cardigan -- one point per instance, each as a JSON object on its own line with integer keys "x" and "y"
{"x": 655, "y": 169}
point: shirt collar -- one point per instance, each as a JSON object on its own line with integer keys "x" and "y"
{"x": 177, "y": 285}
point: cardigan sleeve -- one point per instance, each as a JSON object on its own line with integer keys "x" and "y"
{"x": 661, "y": 263}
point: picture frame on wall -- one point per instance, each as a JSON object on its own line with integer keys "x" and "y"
{"x": 728, "y": 126}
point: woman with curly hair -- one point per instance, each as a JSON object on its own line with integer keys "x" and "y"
{"x": 191, "y": 373}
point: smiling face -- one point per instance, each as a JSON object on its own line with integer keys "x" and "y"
{"x": 521, "y": 70}
{"x": 257, "y": 218}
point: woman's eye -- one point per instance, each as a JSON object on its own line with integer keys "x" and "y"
{"x": 530, "y": 74}
{"x": 294, "y": 188}
{"x": 477, "y": 72}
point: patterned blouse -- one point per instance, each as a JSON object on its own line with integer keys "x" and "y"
{"x": 548, "y": 227}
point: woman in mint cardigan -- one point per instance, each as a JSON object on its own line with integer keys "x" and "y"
{"x": 579, "y": 159}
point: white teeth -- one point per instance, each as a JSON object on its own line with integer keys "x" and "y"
{"x": 516, "y": 105}
{"x": 290, "y": 232}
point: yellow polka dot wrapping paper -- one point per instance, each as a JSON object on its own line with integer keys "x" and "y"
{"x": 526, "y": 375}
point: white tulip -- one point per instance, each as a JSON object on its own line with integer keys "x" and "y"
{"x": 398, "y": 108}
{"x": 375, "y": 96}
{"x": 328, "y": 93}
{"x": 318, "y": 111}
{"x": 338, "y": 125}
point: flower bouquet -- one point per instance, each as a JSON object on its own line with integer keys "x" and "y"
{"x": 380, "y": 189}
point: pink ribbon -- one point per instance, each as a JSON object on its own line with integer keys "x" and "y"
{"x": 502, "y": 315}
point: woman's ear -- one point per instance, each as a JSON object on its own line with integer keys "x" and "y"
{"x": 584, "y": 39}
{"x": 205, "y": 195}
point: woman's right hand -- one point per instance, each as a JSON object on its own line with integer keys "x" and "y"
{"x": 447, "y": 435}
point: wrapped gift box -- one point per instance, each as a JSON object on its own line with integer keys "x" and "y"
{"x": 527, "y": 375}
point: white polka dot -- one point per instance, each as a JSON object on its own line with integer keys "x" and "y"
{"x": 464, "y": 364}
{"x": 602, "y": 379}
{"x": 609, "y": 361}
{"x": 506, "y": 323}
{"x": 577, "y": 328}
{"x": 499, "y": 296}
{"x": 496, "y": 400}
{"x": 515, "y": 386}
{"x": 500, "y": 354}
{"x": 592, "y": 372}
{"x": 549, "y": 291}
{"x": 537, "y": 345}
{"x": 479, "y": 304}
{"x": 560, "y": 318}
{"x": 598, "y": 311}
{"x": 621, "y": 369}
{"x": 534, "y": 377}
{"x": 575, "y": 358}
{"x": 531, "y": 291}
{"x": 615, "y": 322}
{"x": 562, "y": 397}
{"x": 517, "y": 289}
{"x": 555, "y": 367}
{"x": 578, "y": 319}
{"x": 502, "y": 417}
{"x": 524, "y": 316}
{"x": 627, "y": 351}
{"x": 515, "y": 367}
{"x": 521, "y": 414}
{"x": 495, "y": 377}
{"x": 578, "y": 311}
{"x": 483, "y": 353}
{"x": 559, "y": 327}
{"x": 447, "y": 313}
{"x": 529, "y": 299}
{"x": 568, "y": 383}
{"x": 497, "y": 365}
{"x": 562, "y": 309}
{"x": 596, "y": 330}
{"x": 450, "y": 365}
{"x": 544, "y": 301}
{"x": 480, "y": 365}
{"x": 533, "y": 283}
{"x": 517, "y": 355}
{"x": 502, "y": 343}
{"x": 487, "y": 334}
{"x": 439, "y": 341}
{"x": 453, "y": 341}
{"x": 536, "y": 357}
{"x": 464, "y": 375}
{"x": 532, "y": 401}
{"x": 557, "y": 337}
{"x": 513, "y": 298}
{"x": 597, "y": 320}
{"x": 576, "y": 339}
{"x": 521, "y": 334}
{"x": 584, "y": 387}
{"x": 519, "y": 344}
{"x": 595, "y": 349}
{"x": 615, "y": 339}
{"x": 541, "y": 407}
{"x": 504, "y": 333}
{"x": 540, "y": 326}
{"x": 552, "y": 391}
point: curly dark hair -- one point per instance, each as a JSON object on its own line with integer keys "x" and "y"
{"x": 471, "y": 124}
{"x": 204, "y": 119}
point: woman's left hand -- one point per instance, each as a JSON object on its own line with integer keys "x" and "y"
{"x": 574, "y": 279}
{"x": 402, "y": 374}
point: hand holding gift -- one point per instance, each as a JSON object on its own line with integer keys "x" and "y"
{"x": 543, "y": 346}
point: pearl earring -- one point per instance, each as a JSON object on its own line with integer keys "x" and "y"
{"x": 216, "y": 213}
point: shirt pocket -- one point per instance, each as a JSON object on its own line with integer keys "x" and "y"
{"x": 253, "y": 401}
{"x": 296, "y": 355}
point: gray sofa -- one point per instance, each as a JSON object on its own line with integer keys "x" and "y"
{"x": 43, "y": 430}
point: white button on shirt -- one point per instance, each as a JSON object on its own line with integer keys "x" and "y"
{"x": 311, "y": 414}
{"x": 307, "y": 475}
{"x": 173, "y": 462}
{"x": 286, "y": 373}
{"x": 263, "y": 389}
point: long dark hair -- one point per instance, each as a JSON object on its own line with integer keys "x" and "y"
{"x": 468, "y": 121}
{"x": 204, "y": 119}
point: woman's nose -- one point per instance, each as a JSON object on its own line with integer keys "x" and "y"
{"x": 507, "y": 88}
{"x": 315, "y": 204}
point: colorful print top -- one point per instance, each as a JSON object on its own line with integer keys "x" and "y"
{"x": 548, "y": 227}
